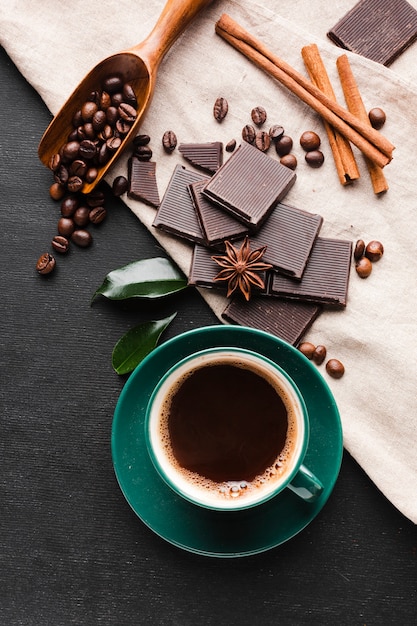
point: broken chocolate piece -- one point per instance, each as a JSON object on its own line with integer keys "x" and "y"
{"x": 289, "y": 234}
{"x": 249, "y": 185}
{"x": 217, "y": 225}
{"x": 379, "y": 30}
{"x": 204, "y": 269}
{"x": 176, "y": 214}
{"x": 142, "y": 181}
{"x": 207, "y": 156}
{"x": 286, "y": 319}
{"x": 326, "y": 277}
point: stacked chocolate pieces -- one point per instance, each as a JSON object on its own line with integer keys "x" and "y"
{"x": 244, "y": 198}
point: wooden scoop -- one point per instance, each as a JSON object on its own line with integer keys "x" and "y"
{"x": 137, "y": 65}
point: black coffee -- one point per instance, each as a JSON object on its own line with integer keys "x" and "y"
{"x": 226, "y": 423}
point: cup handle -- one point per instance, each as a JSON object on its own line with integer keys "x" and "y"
{"x": 306, "y": 485}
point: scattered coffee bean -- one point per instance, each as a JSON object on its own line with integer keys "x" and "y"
{"x": 314, "y": 158}
{"x": 69, "y": 205}
{"x": 220, "y": 109}
{"x": 335, "y": 368}
{"x": 95, "y": 198}
{"x": 289, "y": 160}
{"x": 363, "y": 267}
{"x": 74, "y": 184}
{"x": 377, "y": 118}
{"x": 143, "y": 153}
{"x": 359, "y": 249}
{"x": 57, "y": 191}
{"x": 97, "y": 215}
{"x": 258, "y": 115}
{"x": 307, "y": 348}
{"x": 45, "y": 264}
{"x": 66, "y": 226}
{"x": 120, "y": 185}
{"x": 309, "y": 141}
{"x": 81, "y": 216}
{"x": 141, "y": 140}
{"x": 276, "y": 132}
{"x": 82, "y": 238}
{"x": 60, "y": 244}
{"x": 319, "y": 355}
{"x": 231, "y": 145}
{"x": 262, "y": 141}
{"x": 284, "y": 145}
{"x": 249, "y": 134}
{"x": 374, "y": 251}
{"x": 169, "y": 141}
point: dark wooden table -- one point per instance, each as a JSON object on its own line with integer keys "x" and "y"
{"x": 71, "y": 549}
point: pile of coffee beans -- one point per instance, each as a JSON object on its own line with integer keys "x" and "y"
{"x": 99, "y": 128}
{"x": 365, "y": 255}
{"x": 334, "y": 367}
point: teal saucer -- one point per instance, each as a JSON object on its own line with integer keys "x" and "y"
{"x": 197, "y": 529}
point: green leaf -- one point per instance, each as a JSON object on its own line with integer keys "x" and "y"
{"x": 148, "y": 278}
{"x": 137, "y": 343}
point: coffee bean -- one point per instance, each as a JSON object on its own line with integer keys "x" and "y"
{"x": 99, "y": 120}
{"x": 231, "y": 145}
{"x": 169, "y": 141}
{"x": 363, "y": 267}
{"x": 112, "y": 115}
{"x": 57, "y": 191}
{"x": 54, "y": 162}
{"x": 74, "y": 184}
{"x": 359, "y": 249}
{"x": 69, "y": 205}
{"x": 258, "y": 115}
{"x": 87, "y": 149}
{"x": 113, "y": 143}
{"x": 129, "y": 95}
{"x": 60, "y": 244}
{"x": 91, "y": 174}
{"x": 127, "y": 112}
{"x": 289, "y": 160}
{"x": 95, "y": 198}
{"x": 276, "y": 132}
{"x": 45, "y": 264}
{"x": 262, "y": 141}
{"x": 309, "y": 141}
{"x": 142, "y": 140}
{"x": 220, "y": 109}
{"x": 307, "y": 348}
{"x": 104, "y": 153}
{"x": 143, "y": 153}
{"x": 78, "y": 168}
{"x": 335, "y": 368}
{"x": 81, "y": 216}
{"x": 314, "y": 158}
{"x": 66, "y": 226}
{"x": 105, "y": 100}
{"x": 70, "y": 150}
{"x": 120, "y": 185}
{"x": 248, "y": 134}
{"x": 117, "y": 99}
{"x": 82, "y": 238}
{"x": 88, "y": 110}
{"x": 377, "y": 118}
{"x": 113, "y": 83}
{"x": 61, "y": 175}
{"x": 374, "y": 251}
{"x": 97, "y": 215}
{"x": 319, "y": 355}
{"x": 284, "y": 145}
{"x": 123, "y": 126}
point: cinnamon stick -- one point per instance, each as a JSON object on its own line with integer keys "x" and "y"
{"x": 356, "y": 106}
{"x": 344, "y": 158}
{"x": 369, "y": 141}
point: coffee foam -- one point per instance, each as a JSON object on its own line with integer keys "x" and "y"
{"x": 200, "y": 487}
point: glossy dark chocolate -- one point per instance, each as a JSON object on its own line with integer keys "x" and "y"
{"x": 207, "y": 156}
{"x": 142, "y": 184}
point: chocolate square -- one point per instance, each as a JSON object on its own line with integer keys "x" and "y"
{"x": 286, "y": 319}
{"x": 289, "y": 234}
{"x": 249, "y": 185}
{"x": 142, "y": 181}
{"x": 207, "y": 156}
{"x": 379, "y": 30}
{"x": 176, "y": 214}
{"x": 326, "y": 277}
{"x": 217, "y": 224}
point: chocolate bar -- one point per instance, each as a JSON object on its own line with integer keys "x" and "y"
{"x": 289, "y": 234}
{"x": 176, "y": 214}
{"x": 142, "y": 183}
{"x": 286, "y": 319}
{"x": 217, "y": 225}
{"x": 326, "y": 276}
{"x": 203, "y": 270}
{"x": 249, "y": 185}
{"x": 207, "y": 156}
{"x": 379, "y": 30}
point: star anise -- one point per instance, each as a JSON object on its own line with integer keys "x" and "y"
{"x": 241, "y": 268}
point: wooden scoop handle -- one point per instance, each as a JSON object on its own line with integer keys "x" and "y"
{"x": 174, "y": 19}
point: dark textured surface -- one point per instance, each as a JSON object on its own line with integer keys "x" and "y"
{"x": 71, "y": 549}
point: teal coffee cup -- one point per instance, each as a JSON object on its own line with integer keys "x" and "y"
{"x": 227, "y": 429}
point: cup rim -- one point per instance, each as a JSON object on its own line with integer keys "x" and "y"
{"x": 228, "y": 505}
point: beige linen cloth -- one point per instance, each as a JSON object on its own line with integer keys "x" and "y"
{"x": 55, "y": 43}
